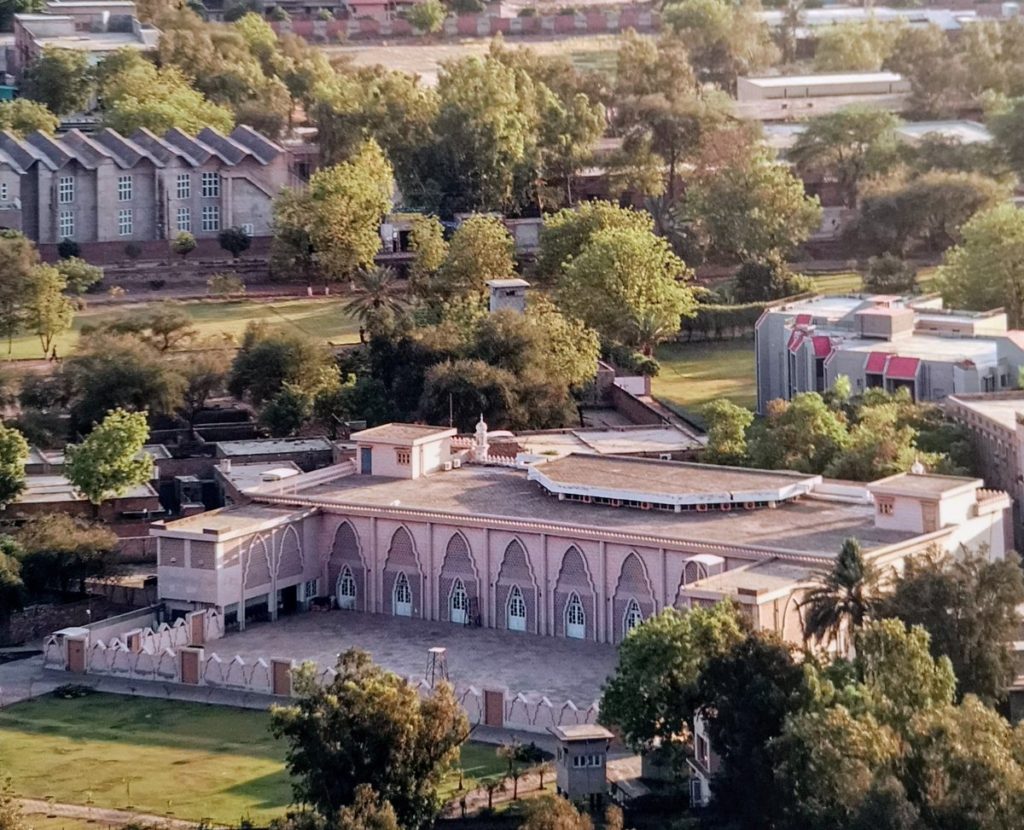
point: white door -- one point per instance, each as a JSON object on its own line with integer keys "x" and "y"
{"x": 516, "y": 610}
{"x": 458, "y": 603}
{"x": 575, "y": 619}
{"x": 403, "y": 597}
{"x": 346, "y": 589}
{"x": 634, "y": 616}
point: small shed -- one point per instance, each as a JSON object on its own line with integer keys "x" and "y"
{"x": 581, "y": 761}
{"x": 508, "y": 294}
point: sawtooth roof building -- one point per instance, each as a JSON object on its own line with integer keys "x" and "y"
{"x": 426, "y": 524}
{"x": 804, "y": 345}
{"x": 103, "y": 187}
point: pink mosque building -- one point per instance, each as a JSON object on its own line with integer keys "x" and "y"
{"x": 425, "y": 524}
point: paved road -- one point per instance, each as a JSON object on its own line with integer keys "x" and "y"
{"x": 102, "y": 815}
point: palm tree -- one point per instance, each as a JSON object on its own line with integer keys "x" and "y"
{"x": 375, "y": 295}
{"x": 649, "y": 328}
{"x": 843, "y": 598}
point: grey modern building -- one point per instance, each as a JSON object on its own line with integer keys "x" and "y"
{"x": 884, "y": 341}
{"x": 102, "y": 188}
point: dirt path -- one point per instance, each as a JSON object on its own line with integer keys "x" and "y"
{"x": 103, "y": 815}
{"x": 476, "y": 800}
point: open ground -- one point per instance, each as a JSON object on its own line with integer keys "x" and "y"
{"x": 167, "y": 758}
{"x": 424, "y": 59}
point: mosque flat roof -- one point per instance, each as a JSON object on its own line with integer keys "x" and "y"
{"x": 810, "y": 526}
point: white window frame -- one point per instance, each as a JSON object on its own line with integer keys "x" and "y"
{"x": 125, "y": 222}
{"x": 575, "y": 618}
{"x": 183, "y": 220}
{"x": 66, "y": 224}
{"x": 516, "y": 598}
{"x": 210, "y": 185}
{"x": 347, "y": 590}
{"x": 210, "y": 218}
{"x": 124, "y": 188}
{"x": 184, "y": 186}
{"x": 401, "y": 595}
{"x": 458, "y": 602}
{"x": 633, "y": 617}
{"x": 66, "y": 190}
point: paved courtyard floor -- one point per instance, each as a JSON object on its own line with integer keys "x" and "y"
{"x": 483, "y": 657}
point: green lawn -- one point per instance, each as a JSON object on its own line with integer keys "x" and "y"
{"x": 850, "y": 282}
{"x": 322, "y": 318}
{"x": 186, "y": 760}
{"x": 694, "y": 373}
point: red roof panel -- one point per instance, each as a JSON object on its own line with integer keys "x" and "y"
{"x": 876, "y": 363}
{"x": 902, "y": 368}
{"x": 796, "y": 338}
{"x": 822, "y": 345}
{"x": 803, "y": 319}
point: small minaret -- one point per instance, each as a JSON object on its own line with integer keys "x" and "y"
{"x": 481, "y": 448}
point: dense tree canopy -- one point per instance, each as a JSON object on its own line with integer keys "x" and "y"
{"x": 370, "y": 727}
{"x": 22, "y": 116}
{"x": 110, "y": 460}
{"x": 60, "y": 79}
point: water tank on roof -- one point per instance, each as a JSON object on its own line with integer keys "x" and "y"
{"x": 1011, "y": 9}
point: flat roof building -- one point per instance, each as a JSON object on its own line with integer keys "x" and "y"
{"x": 881, "y": 341}
{"x": 582, "y": 546}
{"x": 822, "y": 85}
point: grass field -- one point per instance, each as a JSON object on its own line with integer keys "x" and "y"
{"x": 168, "y": 758}
{"x": 321, "y": 318}
{"x": 692, "y": 374}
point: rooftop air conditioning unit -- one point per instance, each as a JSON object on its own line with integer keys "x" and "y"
{"x": 447, "y": 466}
{"x": 665, "y": 456}
{"x": 456, "y": 463}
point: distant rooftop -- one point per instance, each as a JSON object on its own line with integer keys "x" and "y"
{"x": 623, "y": 441}
{"x": 754, "y": 580}
{"x": 823, "y": 79}
{"x": 271, "y": 446}
{"x": 246, "y": 518}
{"x": 44, "y": 489}
{"x": 512, "y": 283}
{"x": 402, "y": 433}
{"x": 1002, "y": 408}
{"x": 966, "y": 132}
{"x": 253, "y": 474}
{"x": 926, "y": 485}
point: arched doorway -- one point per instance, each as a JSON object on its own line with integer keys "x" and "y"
{"x": 458, "y": 603}
{"x": 402, "y": 598}
{"x": 348, "y": 592}
{"x": 516, "y": 612}
{"x": 575, "y": 618}
{"x": 634, "y": 616}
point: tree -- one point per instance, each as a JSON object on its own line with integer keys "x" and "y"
{"x": 110, "y": 460}
{"x": 376, "y": 297}
{"x": 963, "y": 767}
{"x": 745, "y": 696}
{"x": 368, "y": 726}
{"x": 888, "y": 274}
{"x": 266, "y": 360}
{"x": 79, "y": 275}
{"x": 925, "y": 56}
{"x": 427, "y": 16}
{"x": 184, "y": 244}
{"x": 10, "y": 808}
{"x": 762, "y": 280}
{"x": 204, "y": 377}
{"x": 367, "y": 812}
{"x": 346, "y": 205}
{"x": 650, "y": 698}
{"x": 621, "y": 275}
{"x": 22, "y": 116}
{"x": 854, "y": 46}
{"x": 61, "y": 552}
{"x": 18, "y": 260}
{"x": 235, "y": 241}
{"x": 48, "y": 312}
{"x": 880, "y": 444}
{"x": 68, "y": 249}
{"x": 727, "y": 432}
{"x": 285, "y": 413}
{"x": 554, "y": 813}
{"x": 1006, "y": 126}
{"x": 986, "y": 270}
{"x": 842, "y": 600}
{"x": 137, "y": 94}
{"x": 13, "y": 455}
{"x": 427, "y": 242}
{"x": 900, "y": 675}
{"x": 60, "y": 79}
{"x": 291, "y": 248}
{"x": 481, "y": 249}
{"x": 12, "y": 595}
{"x": 111, "y": 371}
{"x": 725, "y": 40}
{"x": 846, "y": 146}
{"x": 467, "y": 389}
{"x": 801, "y": 434}
{"x": 661, "y": 111}
{"x": 747, "y": 207}
{"x": 969, "y": 606}
{"x": 927, "y": 210}
{"x": 566, "y": 233}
